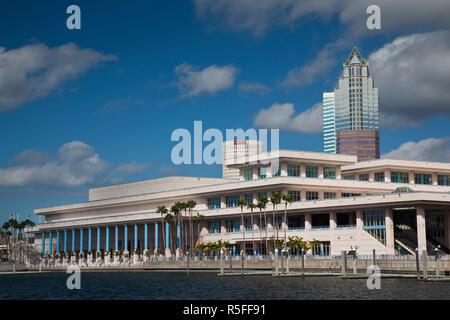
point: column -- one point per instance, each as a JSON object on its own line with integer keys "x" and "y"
{"x": 146, "y": 236}
{"x": 125, "y": 231}
{"x": 156, "y": 236}
{"x": 389, "y": 219}
{"x": 223, "y": 227}
{"x": 302, "y": 171}
{"x": 107, "y": 239}
{"x": 89, "y": 239}
{"x": 98, "y": 248}
{"x": 320, "y": 172}
{"x": 116, "y": 242}
{"x": 434, "y": 180}
{"x": 50, "y": 244}
{"x": 359, "y": 219}
{"x": 283, "y": 171}
{"x": 81, "y": 240}
{"x": 57, "y": 241}
{"x": 178, "y": 234}
{"x": 421, "y": 232}
{"x": 167, "y": 236}
{"x": 411, "y": 177}
{"x": 43, "y": 242}
{"x": 308, "y": 221}
{"x": 65, "y": 241}
{"x": 333, "y": 220}
{"x": 371, "y": 176}
{"x": 135, "y": 236}
{"x": 387, "y": 175}
{"x": 73, "y": 240}
{"x": 338, "y": 173}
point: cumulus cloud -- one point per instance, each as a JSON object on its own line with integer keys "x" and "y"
{"x": 76, "y": 164}
{"x": 253, "y": 87}
{"x": 34, "y": 71}
{"x": 431, "y": 149}
{"x": 259, "y": 16}
{"x": 192, "y": 81}
{"x": 413, "y": 76}
{"x": 281, "y": 116}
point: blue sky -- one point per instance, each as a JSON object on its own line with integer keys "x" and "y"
{"x": 110, "y": 95}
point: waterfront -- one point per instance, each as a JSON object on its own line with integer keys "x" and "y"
{"x": 145, "y": 285}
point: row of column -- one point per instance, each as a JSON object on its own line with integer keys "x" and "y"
{"x": 107, "y": 238}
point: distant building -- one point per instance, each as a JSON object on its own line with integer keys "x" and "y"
{"x": 235, "y": 149}
{"x": 355, "y": 107}
{"x": 365, "y": 144}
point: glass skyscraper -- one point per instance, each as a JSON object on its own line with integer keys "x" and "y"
{"x": 355, "y": 108}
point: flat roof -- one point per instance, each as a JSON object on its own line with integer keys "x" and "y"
{"x": 398, "y": 164}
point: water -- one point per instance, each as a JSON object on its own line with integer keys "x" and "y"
{"x": 207, "y": 285}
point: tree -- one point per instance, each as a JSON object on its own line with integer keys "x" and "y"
{"x": 183, "y": 206}
{"x": 191, "y": 205}
{"x": 402, "y": 189}
{"x": 275, "y": 199}
{"x": 242, "y": 203}
{"x": 262, "y": 205}
{"x": 252, "y": 206}
{"x": 199, "y": 217}
{"x": 315, "y": 243}
{"x": 287, "y": 199}
{"x": 162, "y": 210}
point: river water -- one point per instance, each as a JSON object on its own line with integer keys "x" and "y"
{"x": 207, "y": 285}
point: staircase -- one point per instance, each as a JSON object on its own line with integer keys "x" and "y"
{"x": 406, "y": 237}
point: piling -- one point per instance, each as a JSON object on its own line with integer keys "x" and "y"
{"x": 343, "y": 263}
{"x": 424, "y": 261}
{"x": 417, "y": 263}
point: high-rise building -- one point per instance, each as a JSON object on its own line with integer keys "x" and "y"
{"x": 235, "y": 149}
{"x": 355, "y": 108}
{"x": 329, "y": 125}
{"x": 361, "y": 143}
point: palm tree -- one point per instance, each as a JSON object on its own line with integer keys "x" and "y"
{"x": 191, "y": 205}
{"x": 169, "y": 218}
{"x": 176, "y": 212}
{"x": 262, "y": 205}
{"x": 183, "y": 206}
{"x": 198, "y": 217}
{"x": 275, "y": 199}
{"x": 314, "y": 244}
{"x": 162, "y": 210}
{"x": 286, "y": 198}
{"x": 252, "y": 206}
{"x": 242, "y": 203}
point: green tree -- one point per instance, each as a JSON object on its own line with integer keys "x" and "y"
{"x": 287, "y": 199}
{"x": 275, "y": 200}
{"x": 242, "y": 203}
{"x": 162, "y": 210}
{"x": 190, "y": 206}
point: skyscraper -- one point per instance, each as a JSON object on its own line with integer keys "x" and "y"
{"x": 355, "y": 109}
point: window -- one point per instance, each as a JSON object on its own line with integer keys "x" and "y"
{"x": 249, "y": 197}
{"x": 248, "y": 224}
{"x": 329, "y": 195}
{"x": 248, "y": 174}
{"x": 276, "y": 171}
{"x": 262, "y": 173}
{"x": 293, "y": 170}
{"x": 233, "y": 225}
{"x": 311, "y": 171}
{"x": 422, "y": 178}
{"x": 399, "y": 177}
{"x": 329, "y": 173}
{"x": 232, "y": 201}
{"x": 346, "y": 194}
{"x": 379, "y": 176}
{"x": 364, "y": 177}
{"x": 214, "y": 227}
{"x": 214, "y": 203}
{"x": 349, "y": 177}
{"x": 261, "y": 195}
{"x": 312, "y": 195}
{"x": 295, "y": 195}
{"x": 443, "y": 180}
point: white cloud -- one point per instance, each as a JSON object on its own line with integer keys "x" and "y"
{"x": 413, "y": 76}
{"x": 249, "y": 87}
{"x": 281, "y": 116}
{"x": 260, "y": 16}
{"x": 431, "y": 149}
{"x": 34, "y": 71}
{"x": 75, "y": 165}
{"x": 192, "y": 82}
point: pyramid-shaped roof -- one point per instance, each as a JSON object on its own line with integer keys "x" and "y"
{"x": 355, "y": 58}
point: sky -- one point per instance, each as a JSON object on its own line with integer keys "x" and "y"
{"x": 97, "y": 106}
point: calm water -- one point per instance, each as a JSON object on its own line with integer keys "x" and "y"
{"x": 205, "y": 285}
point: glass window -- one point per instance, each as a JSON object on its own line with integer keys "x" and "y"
{"x": 399, "y": 177}
{"x": 312, "y": 171}
{"x": 214, "y": 227}
{"x": 249, "y": 197}
{"x": 232, "y": 201}
{"x": 347, "y": 194}
{"x": 248, "y": 224}
{"x": 295, "y": 195}
{"x": 248, "y": 174}
{"x": 262, "y": 194}
{"x": 312, "y": 195}
{"x": 262, "y": 173}
{"x": 214, "y": 203}
{"x": 379, "y": 176}
{"x": 443, "y": 180}
{"x": 349, "y": 177}
{"x": 329, "y": 173}
{"x": 293, "y": 170}
{"x": 422, "y": 178}
{"x": 364, "y": 177}
{"x": 233, "y": 225}
{"x": 329, "y": 195}
{"x": 276, "y": 171}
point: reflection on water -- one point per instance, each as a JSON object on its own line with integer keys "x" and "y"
{"x": 207, "y": 285}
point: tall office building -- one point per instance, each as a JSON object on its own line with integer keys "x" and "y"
{"x": 329, "y": 125}
{"x": 234, "y": 149}
{"x": 355, "y": 108}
